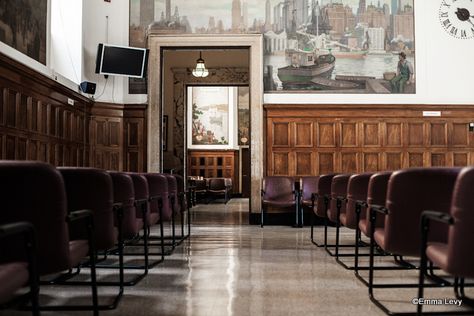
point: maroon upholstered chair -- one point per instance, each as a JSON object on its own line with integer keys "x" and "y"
{"x": 92, "y": 189}
{"x": 409, "y": 193}
{"x": 357, "y": 189}
{"x": 200, "y": 190}
{"x": 127, "y": 221}
{"x": 183, "y": 205}
{"x": 34, "y": 192}
{"x": 322, "y": 205}
{"x": 160, "y": 207}
{"x": 173, "y": 204}
{"x": 453, "y": 255}
{"x": 142, "y": 208}
{"x": 15, "y": 275}
{"x": 278, "y": 192}
{"x": 309, "y": 195}
{"x": 376, "y": 195}
{"x": 219, "y": 187}
{"x": 337, "y": 205}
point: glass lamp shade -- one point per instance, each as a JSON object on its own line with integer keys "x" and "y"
{"x": 200, "y": 70}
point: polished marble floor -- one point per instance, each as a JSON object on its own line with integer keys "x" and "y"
{"x": 230, "y": 268}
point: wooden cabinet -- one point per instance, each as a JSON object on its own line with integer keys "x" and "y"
{"x": 214, "y": 164}
{"x": 317, "y": 139}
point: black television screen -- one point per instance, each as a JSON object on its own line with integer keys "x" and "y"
{"x": 121, "y": 60}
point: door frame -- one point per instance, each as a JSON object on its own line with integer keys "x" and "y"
{"x": 157, "y": 43}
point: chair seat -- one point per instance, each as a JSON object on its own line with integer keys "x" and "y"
{"x": 379, "y": 237}
{"x": 437, "y": 252}
{"x": 13, "y": 276}
{"x": 153, "y": 218}
{"x": 78, "y": 250}
{"x": 308, "y": 203}
{"x": 277, "y": 203}
{"x": 343, "y": 219}
{"x": 363, "y": 225}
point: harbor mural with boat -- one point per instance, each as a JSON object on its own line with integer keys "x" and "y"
{"x": 324, "y": 46}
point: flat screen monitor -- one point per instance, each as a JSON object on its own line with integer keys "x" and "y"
{"x": 121, "y": 60}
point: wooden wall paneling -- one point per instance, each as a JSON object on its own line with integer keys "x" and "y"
{"x": 393, "y": 134}
{"x": 304, "y": 163}
{"x": 354, "y": 138}
{"x": 349, "y": 162}
{"x": 460, "y": 136}
{"x": 393, "y": 161}
{"x": 281, "y": 163}
{"x": 461, "y": 159}
{"x": 415, "y": 134}
{"x": 281, "y": 134}
{"x": 303, "y": 132}
{"x": 372, "y": 134}
{"x": 34, "y": 116}
{"x": 326, "y": 162}
{"x": 2, "y": 149}
{"x": 438, "y": 134}
{"x": 326, "y": 134}
{"x": 349, "y": 134}
{"x": 11, "y": 108}
{"x": 3, "y": 106}
{"x": 10, "y": 149}
{"x": 135, "y": 131}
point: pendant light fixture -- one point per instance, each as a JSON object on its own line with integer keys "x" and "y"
{"x": 200, "y": 70}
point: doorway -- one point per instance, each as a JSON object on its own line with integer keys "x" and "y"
{"x": 158, "y": 45}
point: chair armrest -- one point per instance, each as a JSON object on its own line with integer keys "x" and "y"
{"x": 314, "y": 196}
{"x": 15, "y": 229}
{"x": 341, "y": 198}
{"x": 262, "y": 192}
{"x": 361, "y": 203}
{"x": 437, "y": 216}
{"x": 140, "y": 202}
{"x": 77, "y": 215}
{"x": 379, "y": 209}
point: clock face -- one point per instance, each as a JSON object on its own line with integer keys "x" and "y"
{"x": 457, "y": 18}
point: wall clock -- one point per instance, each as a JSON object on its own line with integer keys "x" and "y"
{"x": 457, "y": 18}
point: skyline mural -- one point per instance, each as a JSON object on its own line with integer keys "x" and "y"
{"x": 344, "y": 46}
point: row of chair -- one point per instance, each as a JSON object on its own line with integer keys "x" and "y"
{"x": 62, "y": 219}
{"x": 210, "y": 188}
{"x": 425, "y": 213}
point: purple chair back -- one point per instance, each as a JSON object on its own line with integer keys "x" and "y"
{"x": 409, "y": 193}
{"x": 140, "y": 187}
{"x": 278, "y": 188}
{"x": 461, "y": 234}
{"x": 338, "y": 189}
{"x": 124, "y": 193}
{"x": 181, "y": 190}
{"x": 34, "y": 192}
{"x": 173, "y": 192}
{"x": 309, "y": 186}
{"x": 158, "y": 186}
{"x": 357, "y": 189}
{"x": 324, "y": 189}
{"x": 92, "y": 189}
{"x": 376, "y": 195}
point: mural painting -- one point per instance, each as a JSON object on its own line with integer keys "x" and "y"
{"x": 210, "y": 116}
{"x": 23, "y": 26}
{"x": 343, "y": 46}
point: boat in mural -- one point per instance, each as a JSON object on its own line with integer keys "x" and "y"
{"x": 304, "y": 67}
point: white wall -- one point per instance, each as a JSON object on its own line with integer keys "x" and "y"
{"x": 66, "y": 39}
